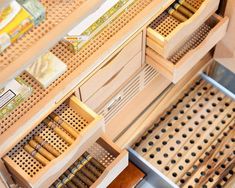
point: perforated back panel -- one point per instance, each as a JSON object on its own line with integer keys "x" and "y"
{"x": 190, "y": 134}
{"x": 130, "y": 90}
{"x": 56, "y": 12}
{"x": 73, "y": 61}
{"x": 25, "y": 161}
{"x": 165, "y": 23}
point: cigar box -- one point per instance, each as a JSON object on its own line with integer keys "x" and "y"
{"x": 94, "y": 23}
{"x": 32, "y": 173}
{"x": 12, "y": 95}
{"x": 166, "y": 33}
{"x": 17, "y": 19}
{"x": 47, "y": 69}
{"x": 190, "y": 52}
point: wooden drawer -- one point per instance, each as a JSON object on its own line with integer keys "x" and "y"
{"x": 111, "y": 68}
{"x": 114, "y": 82}
{"x": 189, "y": 54}
{"x": 111, "y": 157}
{"x": 166, "y": 33}
{"x": 29, "y": 172}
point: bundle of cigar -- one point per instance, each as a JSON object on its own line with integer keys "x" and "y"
{"x": 181, "y": 10}
{"x": 43, "y": 151}
{"x": 82, "y": 174}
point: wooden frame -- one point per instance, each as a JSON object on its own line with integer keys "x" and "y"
{"x": 48, "y": 174}
{"x": 166, "y": 46}
{"x": 175, "y": 72}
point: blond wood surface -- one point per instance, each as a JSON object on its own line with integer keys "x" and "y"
{"x": 166, "y": 46}
{"x": 115, "y": 82}
{"x": 175, "y": 72}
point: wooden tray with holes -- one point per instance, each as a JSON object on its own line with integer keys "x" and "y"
{"x": 165, "y": 34}
{"x": 192, "y": 142}
{"x": 189, "y": 54}
{"x": 61, "y": 17}
{"x": 30, "y": 172}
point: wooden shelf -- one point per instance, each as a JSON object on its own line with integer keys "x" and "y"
{"x": 61, "y": 17}
{"x": 192, "y": 141}
{"x": 86, "y": 62}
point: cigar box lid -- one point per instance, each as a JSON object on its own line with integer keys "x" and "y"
{"x": 225, "y": 50}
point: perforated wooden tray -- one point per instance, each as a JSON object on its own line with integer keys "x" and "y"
{"x": 165, "y": 34}
{"x": 30, "y": 171}
{"x": 112, "y": 157}
{"x": 101, "y": 48}
{"x": 193, "y": 141}
{"x": 189, "y": 53}
{"x": 61, "y": 17}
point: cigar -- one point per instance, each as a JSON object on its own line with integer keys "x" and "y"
{"x": 80, "y": 164}
{"x": 47, "y": 146}
{"x": 177, "y": 15}
{"x": 59, "y": 184}
{"x": 63, "y": 124}
{"x": 93, "y": 169}
{"x": 66, "y": 181}
{"x": 94, "y": 162}
{"x": 183, "y": 10}
{"x": 81, "y": 176}
{"x": 58, "y": 131}
{"x": 41, "y": 150}
{"x": 74, "y": 179}
{"x": 36, "y": 155}
{"x": 187, "y": 5}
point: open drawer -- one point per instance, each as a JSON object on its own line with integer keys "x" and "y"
{"x": 166, "y": 33}
{"x": 32, "y": 166}
{"x": 189, "y": 54}
{"x": 106, "y": 153}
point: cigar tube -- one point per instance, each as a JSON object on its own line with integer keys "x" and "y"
{"x": 74, "y": 179}
{"x": 187, "y": 5}
{"x": 183, "y": 10}
{"x": 66, "y": 181}
{"x": 177, "y": 15}
{"x": 63, "y": 124}
{"x": 93, "y": 169}
{"x": 93, "y": 161}
{"x": 58, "y": 131}
{"x": 59, "y": 184}
{"x": 47, "y": 146}
{"x": 41, "y": 150}
{"x": 36, "y": 155}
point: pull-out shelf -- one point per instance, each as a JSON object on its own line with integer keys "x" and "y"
{"x": 191, "y": 144}
{"x": 189, "y": 54}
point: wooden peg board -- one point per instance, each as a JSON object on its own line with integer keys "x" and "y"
{"x": 193, "y": 142}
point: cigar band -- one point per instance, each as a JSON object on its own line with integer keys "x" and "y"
{"x": 181, "y": 1}
{"x": 83, "y": 161}
{"x": 53, "y": 125}
{"x": 70, "y": 176}
{"x": 176, "y": 5}
{"x": 74, "y": 170}
{"x": 88, "y": 157}
{"x": 33, "y": 153}
{"x": 65, "y": 180}
{"x": 79, "y": 166}
{"x": 59, "y": 184}
{"x": 38, "y": 147}
{"x": 43, "y": 143}
{"x": 170, "y": 10}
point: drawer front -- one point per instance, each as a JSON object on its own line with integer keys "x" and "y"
{"x": 165, "y": 34}
{"x": 77, "y": 129}
{"x": 111, "y": 68}
{"x": 190, "y": 53}
{"x": 115, "y": 82}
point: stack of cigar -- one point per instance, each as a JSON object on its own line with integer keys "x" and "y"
{"x": 82, "y": 174}
{"x": 43, "y": 151}
{"x": 181, "y": 10}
